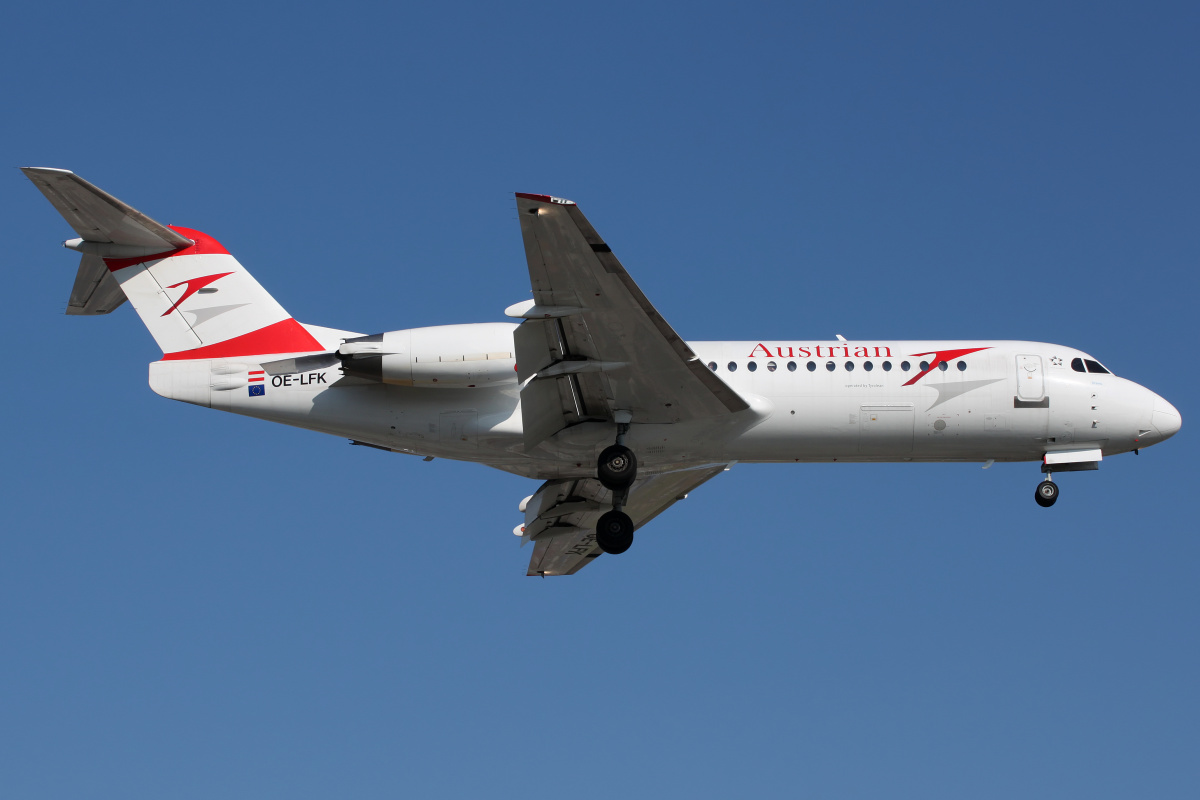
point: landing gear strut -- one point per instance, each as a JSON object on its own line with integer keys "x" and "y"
{"x": 617, "y": 470}
{"x": 1046, "y": 492}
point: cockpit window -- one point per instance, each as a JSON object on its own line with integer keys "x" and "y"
{"x": 1088, "y": 365}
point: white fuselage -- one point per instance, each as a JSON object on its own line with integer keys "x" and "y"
{"x": 809, "y": 402}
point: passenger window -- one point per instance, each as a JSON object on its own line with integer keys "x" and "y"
{"x": 962, "y": 366}
{"x": 868, "y": 366}
{"x": 849, "y": 366}
{"x": 752, "y": 366}
{"x": 732, "y": 366}
{"x": 943, "y": 366}
{"x": 812, "y": 366}
{"x": 829, "y": 365}
{"x": 1077, "y": 365}
{"x": 771, "y": 366}
{"x": 712, "y": 365}
{"x": 1094, "y": 366}
{"x": 887, "y": 366}
{"x": 791, "y": 366}
{"x": 904, "y": 366}
{"x": 924, "y": 366}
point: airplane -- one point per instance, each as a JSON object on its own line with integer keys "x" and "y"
{"x": 590, "y": 390}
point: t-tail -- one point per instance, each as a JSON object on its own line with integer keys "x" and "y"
{"x": 196, "y": 299}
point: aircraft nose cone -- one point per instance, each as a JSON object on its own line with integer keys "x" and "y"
{"x": 1166, "y": 419}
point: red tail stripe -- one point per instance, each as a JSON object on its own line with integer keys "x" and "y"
{"x": 286, "y": 336}
{"x": 204, "y": 244}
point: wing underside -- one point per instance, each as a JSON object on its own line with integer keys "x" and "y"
{"x": 566, "y": 542}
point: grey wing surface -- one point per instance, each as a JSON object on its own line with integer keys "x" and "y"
{"x": 592, "y": 342}
{"x": 564, "y": 533}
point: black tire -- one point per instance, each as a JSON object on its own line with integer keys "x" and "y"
{"x": 617, "y": 467}
{"x": 614, "y": 532}
{"x": 1046, "y": 494}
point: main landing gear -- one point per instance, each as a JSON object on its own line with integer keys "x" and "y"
{"x": 614, "y": 532}
{"x": 616, "y": 469}
{"x": 1046, "y": 492}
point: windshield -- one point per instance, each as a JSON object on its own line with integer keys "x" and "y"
{"x": 1088, "y": 365}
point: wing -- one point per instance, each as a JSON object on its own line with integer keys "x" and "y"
{"x": 565, "y": 534}
{"x": 592, "y": 343}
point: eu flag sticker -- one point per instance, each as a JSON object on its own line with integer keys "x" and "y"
{"x": 258, "y": 390}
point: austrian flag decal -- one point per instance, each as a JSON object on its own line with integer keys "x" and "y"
{"x": 257, "y": 381}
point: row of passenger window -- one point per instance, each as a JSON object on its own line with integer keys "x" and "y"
{"x": 1092, "y": 366}
{"x": 832, "y": 365}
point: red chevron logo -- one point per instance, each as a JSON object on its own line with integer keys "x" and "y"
{"x": 193, "y": 285}
{"x": 938, "y": 357}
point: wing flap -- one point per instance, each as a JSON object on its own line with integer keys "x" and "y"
{"x": 572, "y": 549}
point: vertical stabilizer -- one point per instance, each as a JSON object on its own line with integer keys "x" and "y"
{"x": 193, "y": 296}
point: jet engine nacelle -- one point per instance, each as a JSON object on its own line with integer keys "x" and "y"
{"x": 445, "y": 356}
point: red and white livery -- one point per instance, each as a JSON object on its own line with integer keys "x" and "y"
{"x": 591, "y": 390}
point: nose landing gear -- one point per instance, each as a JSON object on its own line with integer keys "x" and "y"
{"x": 617, "y": 470}
{"x": 1046, "y": 492}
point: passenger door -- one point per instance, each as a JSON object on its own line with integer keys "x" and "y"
{"x": 1030, "y": 382}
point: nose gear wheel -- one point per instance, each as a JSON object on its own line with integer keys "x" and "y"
{"x": 1046, "y": 493}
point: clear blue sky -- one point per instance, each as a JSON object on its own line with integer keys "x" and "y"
{"x": 194, "y": 605}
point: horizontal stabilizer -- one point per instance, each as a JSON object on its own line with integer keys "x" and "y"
{"x": 96, "y": 291}
{"x": 97, "y": 216}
